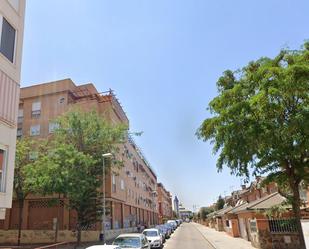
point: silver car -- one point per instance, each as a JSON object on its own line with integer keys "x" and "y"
{"x": 132, "y": 241}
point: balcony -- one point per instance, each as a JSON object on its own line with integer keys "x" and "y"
{"x": 36, "y": 114}
{"x": 19, "y": 132}
{"x": 20, "y": 120}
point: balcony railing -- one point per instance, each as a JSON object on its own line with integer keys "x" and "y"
{"x": 36, "y": 114}
{"x": 20, "y": 120}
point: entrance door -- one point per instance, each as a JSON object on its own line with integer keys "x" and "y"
{"x": 242, "y": 228}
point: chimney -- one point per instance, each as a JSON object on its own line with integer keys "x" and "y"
{"x": 243, "y": 186}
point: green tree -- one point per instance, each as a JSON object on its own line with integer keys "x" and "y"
{"x": 26, "y": 151}
{"x": 261, "y": 121}
{"x": 70, "y": 172}
{"x": 73, "y": 165}
{"x": 220, "y": 203}
{"x": 204, "y": 211}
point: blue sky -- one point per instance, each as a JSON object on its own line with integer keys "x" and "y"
{"x": 162, "y": 58}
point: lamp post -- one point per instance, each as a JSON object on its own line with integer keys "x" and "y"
{"x": 106, "y": 155}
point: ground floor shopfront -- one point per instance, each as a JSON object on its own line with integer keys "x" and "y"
{"x": 41, "y": 217}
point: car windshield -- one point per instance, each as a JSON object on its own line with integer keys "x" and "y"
{"x": 127, "y": 242}
{"x": 150, "y": 233}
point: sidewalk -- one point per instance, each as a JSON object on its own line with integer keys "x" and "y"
{"x": 220, "y": 240}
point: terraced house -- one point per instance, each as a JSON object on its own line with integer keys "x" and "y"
{"x": 250, "y": 213}
{"x": 130, "y": 192}
{"x": 12, "y": 14}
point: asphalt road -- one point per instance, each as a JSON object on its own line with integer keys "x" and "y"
{"x": 187, "y": 237}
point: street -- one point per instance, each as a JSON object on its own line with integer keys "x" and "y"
{"x": 187, "y": 236}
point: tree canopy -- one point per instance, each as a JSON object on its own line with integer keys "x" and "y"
{"x": 260, "y": 120}
{"x": 220, "y": 203}
{"x": 27, "y": 151}
{"x": 204, "y": 211}
{"x": 72, "y": 167}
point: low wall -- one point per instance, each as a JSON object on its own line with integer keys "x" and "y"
{"x": 48, "y": 236}
{"x": 268, "y": 240}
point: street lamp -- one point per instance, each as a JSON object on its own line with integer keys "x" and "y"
{"x": 106, "y": 155}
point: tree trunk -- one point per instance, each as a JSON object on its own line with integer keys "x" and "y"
{"x": 79, "y": 236}
{"x": 20, "y": 219}
{"x": 297, "y": 213}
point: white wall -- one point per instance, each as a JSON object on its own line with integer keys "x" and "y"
{"x": 13, "y": 11}
{"x": 8, "y": 139}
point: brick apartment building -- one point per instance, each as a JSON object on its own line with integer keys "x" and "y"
{"x": 164, "y": 203}
{"x": 130, "y": 192}
{"x": 12, "y": 14}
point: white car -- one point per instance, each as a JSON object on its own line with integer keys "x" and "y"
{"x": 103, "y": 247}
{"x": 154, "y": 237}
{"x": 132, "y": 241}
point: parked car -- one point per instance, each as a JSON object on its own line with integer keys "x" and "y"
{"x": 173, "y": 222}
{"x": 104, "y": 247}
{"x": 164, "y": 231}
{"x": 171, "y": 226}
{"x": 168, "y": 229}
{"x": 132, "y": 241}
{"x": 154, "y": 237}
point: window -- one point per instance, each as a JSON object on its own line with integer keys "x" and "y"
{"x": 35, "y": 130}
{"x": 113, "y": 183}
{"x": 52, "y": 126}
{"x": 36, "y": 109}
{"x": 20, "y": 116}
{"x": 253, "y": 227}
{"x": 122, "y": 184}
{"x": 61, "y": 100}
{"x": 19, "y": 132}
{"x": 3, "y": 163}
{"x": 7, "y": 46}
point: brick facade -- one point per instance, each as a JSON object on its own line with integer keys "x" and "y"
{"x": 130, "y": 190}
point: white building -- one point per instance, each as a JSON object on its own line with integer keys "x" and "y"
{"x": 184, "y": 213}
{"x": 12, "y": 14}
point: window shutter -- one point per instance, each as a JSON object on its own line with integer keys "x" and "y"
{"x": 7, "y": 46}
